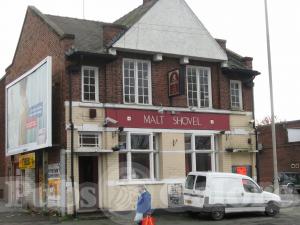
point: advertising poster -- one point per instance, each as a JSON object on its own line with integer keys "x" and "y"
{"x": 28, "y": 120}
{"x": 175, "y": 195}
{"x": 54, "y": 185}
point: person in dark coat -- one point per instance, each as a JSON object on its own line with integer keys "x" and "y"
{"x": 143, "y": 206}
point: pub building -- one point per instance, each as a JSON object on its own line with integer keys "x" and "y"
{"x": 143, "y": 100}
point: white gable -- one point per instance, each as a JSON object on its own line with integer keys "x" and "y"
{"x": 170, "y": 27}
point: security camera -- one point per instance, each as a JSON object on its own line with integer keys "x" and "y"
{"x": 252, "y": 121}
{"x": 110, "y": 120}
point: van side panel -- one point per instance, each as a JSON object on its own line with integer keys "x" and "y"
{"x": 225, "y": 191}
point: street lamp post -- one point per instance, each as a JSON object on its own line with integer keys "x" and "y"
{"x": 275, "y": 167}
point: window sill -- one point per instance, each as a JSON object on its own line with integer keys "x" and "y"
{"x": 237, "y": 109}
{"x": 137, "y": 104}
{"x": 92, "y": 150}
{"x": 95, "y": 102}
{"x": 145, "y": 182}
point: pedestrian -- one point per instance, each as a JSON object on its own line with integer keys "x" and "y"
{"x": 143, "y": 206}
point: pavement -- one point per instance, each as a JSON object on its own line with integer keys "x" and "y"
{"x": 290, "y": 200}
{"x": 288, "y": 216}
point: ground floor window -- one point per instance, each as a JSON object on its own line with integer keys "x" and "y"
{"x": 89, "y": 140}
{"x": 200, "y": 153}
{"x": 139, "y": 156}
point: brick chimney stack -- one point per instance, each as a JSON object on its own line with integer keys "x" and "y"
{"x": 248, "y": 62}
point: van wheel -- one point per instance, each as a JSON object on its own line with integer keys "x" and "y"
{"x": 272, "y": 209}
{"x": 218, "y": 213}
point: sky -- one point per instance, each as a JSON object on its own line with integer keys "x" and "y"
{"x": 240, "y": 22}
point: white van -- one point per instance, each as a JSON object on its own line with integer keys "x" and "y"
{"x": 220, "y": 193}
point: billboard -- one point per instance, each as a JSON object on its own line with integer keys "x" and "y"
{"x": 28, "y": 110}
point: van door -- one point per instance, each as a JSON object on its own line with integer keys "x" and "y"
{"x": 189, "y": 190}
{"x": 199, "y": 193}
{"x": 253, "y": 197}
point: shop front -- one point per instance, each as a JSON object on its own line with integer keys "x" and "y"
{"x": 158, "y": 149}
{"x": 123, "y": 148}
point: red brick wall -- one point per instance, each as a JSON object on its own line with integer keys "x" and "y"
{"x": 2, "y": 128}
{"x": 113, "y": 89}
{"x": 287, "y": 153}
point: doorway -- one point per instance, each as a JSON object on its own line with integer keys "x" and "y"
{"x": 88, "y": 183}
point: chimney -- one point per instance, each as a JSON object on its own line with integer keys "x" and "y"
{"x": 146, "y": 1}
{"x": 111, "y": 32}
{"x": 248, "y": 62}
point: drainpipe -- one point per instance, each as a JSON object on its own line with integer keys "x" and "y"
{"x": 256, "y": 138}
{"x": 70, "y": 72}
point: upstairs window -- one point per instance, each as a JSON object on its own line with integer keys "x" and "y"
{"x": 199, "y": 87}
{"x": 236, "y": 94}
{"x": 90, "y": 84}
{"x": 137, "y": 81}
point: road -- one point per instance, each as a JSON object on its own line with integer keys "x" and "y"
{"x": 288, "y": 216}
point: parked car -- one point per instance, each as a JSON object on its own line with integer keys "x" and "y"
{"x": 221, "y": 193}
{"x": 289, "y": 182}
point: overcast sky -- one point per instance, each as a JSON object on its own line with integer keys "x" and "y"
{"x": 240, "y": 22}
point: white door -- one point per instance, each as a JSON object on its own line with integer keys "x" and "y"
{"x": 253, "y": 197}
{"x": 189, "y": 190}
{"x": 200, "y": 191}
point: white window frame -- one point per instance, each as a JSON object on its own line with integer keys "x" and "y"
{"x": 136, "y": 95}
{"x": 198, "y": 68}
{"x": 293, "y": 134}
{"x": 193, "y": 151}
{"x": 152, "y": 152}
{"x": 96, "y": 70}
{"x": 85, "y": 148}
{"x": 240, "y": 95}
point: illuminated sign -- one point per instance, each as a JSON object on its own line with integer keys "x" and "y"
{"x": 242, "y": 170}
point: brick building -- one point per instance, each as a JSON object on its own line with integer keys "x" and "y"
{"x": 143, "y": 100}
{"x": 288, "y": 146}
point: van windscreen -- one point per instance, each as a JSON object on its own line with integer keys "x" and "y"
{"x": 190, "y": 180}
{"x": 200, "y": 183}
